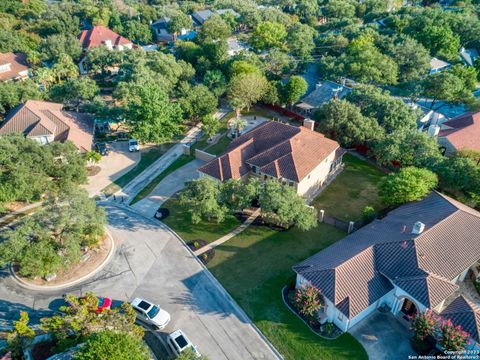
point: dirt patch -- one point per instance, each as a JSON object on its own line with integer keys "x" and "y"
{"x": 93, "y": 170}
{"x": 91, "y": 260}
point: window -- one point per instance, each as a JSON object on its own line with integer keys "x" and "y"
{"x": 254, "y": 169}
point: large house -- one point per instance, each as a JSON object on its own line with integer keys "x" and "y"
{"x": 162, "y": 34}
{"x": 200, "y": 16}
{"x": 102, "y": 36}
{"x": 324, "y": 92}
{"x": 46, "y": 122}
{"x": 297, "y": 156}
{"x": 461, "y": 132}
{"x": 13, "y": 66}
{"x": 412, "y": 260}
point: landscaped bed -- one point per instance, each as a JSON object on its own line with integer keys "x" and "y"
{"x": 255, "y": 265}
{"x": 352, "y": 190}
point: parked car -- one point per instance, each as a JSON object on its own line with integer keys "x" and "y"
{"x": 103, "y": 303}
{"x": 179, "y": 342}
{"x": 133, "y": 145}
{"x": 101, "y": 148}
{"x": 150, "y": 313}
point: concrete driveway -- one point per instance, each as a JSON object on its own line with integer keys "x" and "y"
{"x": 151, "y": 262}
{"x": 167, "y": 187}
{"x": 118, "y": 161}
{"x": 383, "y": 337}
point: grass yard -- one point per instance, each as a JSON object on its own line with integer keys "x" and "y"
{"x": 148, "y": 157}
{"x": 220, "y": 146}
{"x": 356, "y": 187}
{"x": 255, "y": 265}
{"x": 179, "y": 221}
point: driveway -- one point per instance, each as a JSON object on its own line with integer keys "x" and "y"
{"x": 118, "y": 161}
{"x": 167, "y": 187}
{"x": 151, "y": 262}
{"x": 383, "y": 337}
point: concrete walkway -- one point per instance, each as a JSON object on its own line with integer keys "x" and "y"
{"x": 167, "y": 188}
{"x": 143, "y": 179}
{"x": 230, "y": 235}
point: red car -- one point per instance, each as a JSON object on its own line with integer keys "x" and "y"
{"x": 104, "y": 304}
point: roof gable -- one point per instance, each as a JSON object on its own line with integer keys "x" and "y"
{"x": 463, "y": 131}
{"x": 98, "y": 35}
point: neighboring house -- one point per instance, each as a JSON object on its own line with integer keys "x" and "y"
{"x": 13, "y": 66}
{"x": 297, "y": 156}
{"x": 411, "y": 260}
{"x": 469, "y": 56}
{"x": 102, "y": 36}
{"x": 428, "y": 118}
{"x": 200, "y": 16}
{"x": 235, "y": 47}
{"x": 461, "y": 132}
{"x": 160, "y": 30}
{"x": 437, "y": 65}
{"x": 324, "y": 92}
{"x": 46, "y": 122}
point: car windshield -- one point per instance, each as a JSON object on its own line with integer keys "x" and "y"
{"x": 133, "y": 142}
{"x": 153, "y": 311}
{"x": 181, "y": 341}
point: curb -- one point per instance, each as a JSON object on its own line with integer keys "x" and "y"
{"x": 30, "y": 286}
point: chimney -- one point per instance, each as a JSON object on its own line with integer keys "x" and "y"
{"x": 418, "y": 228}
{"x": 433, "y": 130}
{"x": 309, "y": 124}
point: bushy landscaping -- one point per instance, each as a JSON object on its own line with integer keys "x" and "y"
{"x": 255, "y": 265}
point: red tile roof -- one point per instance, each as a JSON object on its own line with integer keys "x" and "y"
{"x": 18, "y": 63}
{"x": 276, "y": 149}
{"x": 41, "y": 118}
{"x": 98, "y": 35}
{"x": 463, "y": 131}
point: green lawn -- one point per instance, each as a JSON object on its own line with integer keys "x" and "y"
{"x": 255, "y": 265}
{"x": 146, "y": 160}
{"x": 356, "y": 187}
{"x": 220, "y": 146}
{"x": 180, "y": 222}
{"x": 182, "y": 160}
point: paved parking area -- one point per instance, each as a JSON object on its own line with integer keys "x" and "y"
{"x": 118, "y": 161}
{"x": 383, "y": 337}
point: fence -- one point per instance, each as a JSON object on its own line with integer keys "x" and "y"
{"x": 285, "y": 112}
{"x": 202, "y": 155}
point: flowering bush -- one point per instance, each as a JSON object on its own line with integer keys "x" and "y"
{"x": 308, "y": 301}
{"x": 424, "y": 325}
{"x": 453, "y": 338}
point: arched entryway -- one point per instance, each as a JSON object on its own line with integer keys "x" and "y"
{"x": 408, "y": 309}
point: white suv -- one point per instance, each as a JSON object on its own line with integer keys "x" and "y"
{"x": 178, "y": 342}
{"x": 150, "y": 313}
{"x": 133, "y": 145}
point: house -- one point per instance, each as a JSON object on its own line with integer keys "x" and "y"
{"x": 461, "y": 132}
{"x": 200, "y": 16}
{"x": 235, "y": 47}
{"x": 469, "y": 56}
{"x": 412, "y": 260}
{"x": 102, "y": 36}
{"x": 428, "y": 118}
{"x": 46, "y": 122}
{"x": 437, "y": 65}
{"x": 324, "y": 92}
{"x": 13, "y": 66}
{"x": 297, "y": 156}
{"x": 160, "y": 30}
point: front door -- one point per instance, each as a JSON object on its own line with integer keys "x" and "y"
{"x": 409, "y": 308}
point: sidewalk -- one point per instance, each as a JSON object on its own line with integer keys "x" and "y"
{"x": 230, "y": 235}
{"x": 143, "y": 179}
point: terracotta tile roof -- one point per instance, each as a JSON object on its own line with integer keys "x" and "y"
{"x": 276, "y": 149}
{"x": 386, "y": 250}
{"x": 463, "y": 131}
{"x": 98, "y": 35}
{"x": 18, "y": 63}
{"x": 41, "y": 118}
{"x": 465, "y": 313}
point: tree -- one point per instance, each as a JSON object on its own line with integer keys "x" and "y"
{"x": 424, "y": 325}
{"x": 246, "y": 89}
{"x": 152, "y": 116}
{"x": 293, "y": 90}
{"x": 409, "y": 184}
{"x": 340, "y": 9}
{"x": 344, "y": 122}
{"x": 238, "y": 124}
{"x": 198, "y": 102}
{"x": 308, "y": 301}
{"x": 413, "y": 60}
{"x": 20, "y": 337}
{"x": 13, "y": 93}
{"x": 57, "y": 45}
{"x": 238, "y": 195}
{"x": 445, "y": 86}
{"x": 453, "y": 338}
{"x": 113, "y": 346}
{"x": 200, "y": 199}
{"x": 64, "y": 68}
{"x": 178, "y": 22}
{"x": 440, "y": 40}
{"x": 214, "y": 29}
{"x": 75, "y": 91}
{"x": 459, "y": 173}
{"x": 300, "y": 40}
{"x": 278, "y": 63}
{"x": 138, "y": 32}
{"x": 282, "y": 206}
{"x": 239, "y": 67}
{"x": 210, "y": 125}
{"x": 215, "y": 81}
{"x": 268, "y": 35}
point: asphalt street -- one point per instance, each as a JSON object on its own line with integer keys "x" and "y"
{"x": 151, "y": 262}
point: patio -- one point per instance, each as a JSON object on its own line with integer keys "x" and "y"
{"x": 383, "y": 337}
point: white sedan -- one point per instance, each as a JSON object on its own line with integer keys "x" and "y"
{"x": 150, "y": 313}
{"x": 133, "y": 145}
{"x": 178, "y": 342}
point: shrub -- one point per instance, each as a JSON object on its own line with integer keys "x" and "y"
{"x": 308, "y": 301}
{"x": 424, "y": 325}
{"x": 329, "y": 328}
{"x": 368, "y": 214}
{"x": 453, "y": 338}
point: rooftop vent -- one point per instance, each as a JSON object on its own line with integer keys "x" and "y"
{"x": 418, "y": 228}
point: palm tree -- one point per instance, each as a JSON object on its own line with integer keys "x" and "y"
{"x": 45, "y": 77}
{"x": 238, "y": 124}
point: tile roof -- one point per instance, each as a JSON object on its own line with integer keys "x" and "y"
{"x": 463, "y": 131}
{"x": 41, "y": 118}
{"x": 18, "y": 63}
{"x": 385, "y": 250}
{"x": 201, "y": 16}
{"x": 98, "y": 35}
{"x": 465, "y": 313}
{"x": 276, "y": 149}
